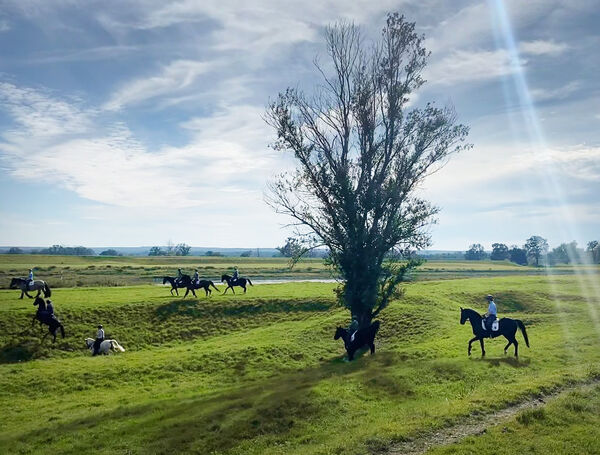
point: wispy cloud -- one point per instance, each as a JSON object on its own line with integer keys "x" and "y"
{"x": 557, "y": 93}
{"x": 109, "y": 165}
{"x": 462, "y": 66}
{"x": 541, "y": 47}
{"x": 174, "y": 77}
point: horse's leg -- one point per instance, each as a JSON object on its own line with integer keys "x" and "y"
{"x": 186, "y": 292}
{"x": 509, "y": 343}
{"x": 482, "y": 349}
{"x": 372, "y": 348}
{"x": 194, "y": 292}
{"x": 516, "y": 343}
{"x": 471, "y": 341}
{"x": 38, "y": 294}
{"x": 33, "y": 321}
{"x": 27, "y": 294}
{"x": 350, "y": 355}
{"x": 177, "y": 291}
{"x": 244, "y": 289}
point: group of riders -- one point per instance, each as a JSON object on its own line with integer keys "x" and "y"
{"x": 48, "y": 313}
{"x": 196, "y": 277}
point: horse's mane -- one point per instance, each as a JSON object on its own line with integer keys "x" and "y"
{"x": 469, "y": 311}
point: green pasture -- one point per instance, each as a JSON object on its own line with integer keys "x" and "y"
{"x": 84, "y": 271}
{"x": 261, "y": 374}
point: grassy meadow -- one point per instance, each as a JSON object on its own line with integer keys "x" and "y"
{"x": 261, "y": 374}
{"x": 107, "y": 271}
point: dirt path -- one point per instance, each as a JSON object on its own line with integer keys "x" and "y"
{"x": 476, "y": 424}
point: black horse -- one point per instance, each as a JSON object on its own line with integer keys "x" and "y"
{"x": 36, "y": 285}
{"x": 241, "y": 282}
{"x": 362, "y": 337}
{"x": 175, "y": 283}
{"x": 48, "y": 319}
{"x": 507, "y": 327}
{"x": 202, "y": 284}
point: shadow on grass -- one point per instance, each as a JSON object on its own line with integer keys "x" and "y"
{"x": 202, "y": 309}
{"x": 14, "y": 353}
{"x": 512, "y": 361}
{"x": 217, "y": 423}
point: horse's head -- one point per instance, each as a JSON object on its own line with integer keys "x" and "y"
{"x": 463, "y": 316}
{"x": 165, "y": 279}
{"x": 224, "y": 278}
{"x": 339, "y": 333}
{"x": 89, "y": 342}
{"x": 14, "y": 282}
{"x": 39, "y": 302}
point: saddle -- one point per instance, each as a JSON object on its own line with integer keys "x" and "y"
{"x": 495, "y": 325}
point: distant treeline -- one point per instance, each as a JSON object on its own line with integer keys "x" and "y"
{"x": 536, "y": 251}
{"x": 57, "y": 250}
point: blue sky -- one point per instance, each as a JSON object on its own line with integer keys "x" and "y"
{"x": 138, "y": 122}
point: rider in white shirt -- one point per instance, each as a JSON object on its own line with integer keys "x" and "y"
{"x": 492, "y": 313}
{"x": 196, "y": 277}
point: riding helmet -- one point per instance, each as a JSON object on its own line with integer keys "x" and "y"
{"x": 490, "y": 297}
{"x": 99, "y": 326}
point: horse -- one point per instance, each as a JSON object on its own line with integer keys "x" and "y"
{"x": 241, "y": 282}
{"x": 175, "y": 284}
{"x": 105, "y": 347}
{"x": 362, "y": 337}
{"x": 202, "y": 284}
{"x": 507, "y": 327}
{"x": 36, "y": 285}
{"x": 46, "y": 318}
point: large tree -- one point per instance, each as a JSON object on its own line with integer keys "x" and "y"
{"x": 499, "y": 252}
{"x": 476, "y": 252}
{"x": 361, "y": 154}
{"x": 536, "y": 247}
{"x": 593, "y": 248}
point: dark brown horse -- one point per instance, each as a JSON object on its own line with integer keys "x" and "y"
{"x": 241, "y": 282}
{"x": 362, "y": 337}
{"x": 48, "y": 319}
{"x": 507, "y": 327}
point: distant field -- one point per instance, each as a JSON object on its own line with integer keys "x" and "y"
{"x": 78, "y": 271}
{"x": 261, "y": 373}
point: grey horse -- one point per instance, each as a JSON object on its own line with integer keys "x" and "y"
{"x": 37, "y": 285}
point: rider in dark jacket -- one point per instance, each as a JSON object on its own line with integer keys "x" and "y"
{"x": 236, "y": 275}
{"x": 99, "y": 339}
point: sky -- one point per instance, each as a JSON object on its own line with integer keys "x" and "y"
{"x": 128, "y": 123}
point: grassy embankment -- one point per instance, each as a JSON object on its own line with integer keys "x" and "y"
{"x": 80, "y": 271}
{"x": 261, "y": 373}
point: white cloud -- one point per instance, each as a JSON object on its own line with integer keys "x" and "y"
{"x": 540, "y": 47}
{"x": 465, "y": 66}
{"x": 174, "y": 77}
{"x": 227, "y": 160}
{"x": 559, "y": 93}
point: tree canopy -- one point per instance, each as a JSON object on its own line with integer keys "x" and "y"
{"x": 361, "y": 153}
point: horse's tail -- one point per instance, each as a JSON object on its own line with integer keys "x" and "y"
{"x": 213, "y": 285}
{"x": 249, "y": 281}
{"x": 523, "y": 331}
{"x": 47, "y": 291}
{"x": 116, "y": 345}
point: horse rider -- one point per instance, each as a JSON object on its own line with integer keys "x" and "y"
{"x": 353, "y": 328}
{"x": 29, "y": 279}
{"x": 236, "y": 275}
{"x": 99, "y": 339}
{"x": 179, "y": 276}
{"x": 492, "y": 313}
{"x": 196, "y": 278}
{"x": 50, "y": 308}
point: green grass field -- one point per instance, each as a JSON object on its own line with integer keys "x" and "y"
{"x": 82, "y": 271}
{"x": 261, "y": 373}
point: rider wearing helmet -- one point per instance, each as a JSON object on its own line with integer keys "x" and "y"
{"x": 236, "y": 275}
{"x": 99, "y": 339}
{"x": 179, "y": 276}
{"x": 492, "y": 313}
{"x": 196, "y": 278}
{"x": 29, "y": 279}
